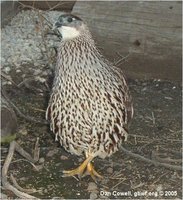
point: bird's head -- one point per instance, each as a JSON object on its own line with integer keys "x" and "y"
{"x": 69, "y": 26}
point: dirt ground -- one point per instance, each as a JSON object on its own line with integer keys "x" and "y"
{"x": 156, "y": 127}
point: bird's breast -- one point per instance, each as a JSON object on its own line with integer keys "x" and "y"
{"x": 87, "y": 106}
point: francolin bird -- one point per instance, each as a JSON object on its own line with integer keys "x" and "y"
{"x": 90, "y": 105}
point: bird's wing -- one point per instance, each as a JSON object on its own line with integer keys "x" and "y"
{"x": 128, "y": 99}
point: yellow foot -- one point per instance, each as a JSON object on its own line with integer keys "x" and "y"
{"x": 79, "y": 170}
{"x": 91, "y": 171}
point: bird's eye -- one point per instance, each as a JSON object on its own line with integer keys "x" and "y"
{"x": 69, "y": 19}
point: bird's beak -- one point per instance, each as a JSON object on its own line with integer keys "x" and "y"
{"x": 58, "y": 24}
{"x": 55, "y": 28}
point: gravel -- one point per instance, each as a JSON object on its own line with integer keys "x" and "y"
{"x": 27, "y": 50}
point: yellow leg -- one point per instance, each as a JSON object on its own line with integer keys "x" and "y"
{"x": 79, "y": 170}
{"x": 91, "y": 171}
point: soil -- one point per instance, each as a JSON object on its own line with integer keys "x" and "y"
{"x": 156, "y": 127}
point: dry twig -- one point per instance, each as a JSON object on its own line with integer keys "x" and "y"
{"x": 58, "y": 4}
{"x": 8, "y": 78}
{"x": 118, "y": 62}
{"x": 153, "y": 162}
{"x": 14, "y": 146}
{"x": 121, "y": 181}
{"x": 29, "y": 191}
{"x": 156, "y": 156}
{"x": 36, "y": 150}
{"x": 159, "y": 178}
{"x": 34, "y": 166}
{"x": 26, "y": 82}
{"x": 136, "y": 186}
{"x": 32, "y": 119}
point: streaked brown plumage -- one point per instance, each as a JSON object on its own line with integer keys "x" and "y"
{"x": 90, "y": 105}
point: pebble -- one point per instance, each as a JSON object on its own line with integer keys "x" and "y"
{"x": 159, "y": 188}
{"x": 41, "y": 160}
{"x": 23, "y": 131}
{"x": 7, "y": 69}
{"x": 93, "y": 196}
{"x": 42, "y": 80}
{"x": 22, "y": 178}
{"x": 63, "y": 157}
{"x": 51, "y": 152}
{"x": 144, "y": 89}
{"x": 80, "y": 160}
{"x": 18, "y": 71}
{"x": 104, "y": 181}
{"x": 45, "y": 190}
{"x": 9, "y": 83}
{"x": 92, "y": 187}
{"x": 168, "y": 98}
{"x": 59, "y": 198}
{"x": 109, "y": 170}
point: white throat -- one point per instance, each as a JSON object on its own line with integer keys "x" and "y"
{"x": 68, "y": 33}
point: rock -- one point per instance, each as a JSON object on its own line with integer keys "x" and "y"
{"x": 18, "y": 71}
{"x": 7, "y": 70}
{"x": 63, "y": 157}
{"x": 93, "y": 196}
{"x": 52, "y": 152}
{"x": 92, "y": 187}
{"x": 22, "y": 44}
{"x": 109, "y": 170}
{"x": 41, "y": 160}
{"x": 23, "y": 131}
{"x": 8, "y": 122}
{"x": 80, "y": 160}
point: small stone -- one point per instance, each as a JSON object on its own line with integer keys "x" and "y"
{"x": 23, "y": 131}
{"x": 174, "y": 176}
{"x": 58, "y": 198}
{"x": 9, "y": 83}
{"x": 144, "y": 89}
{"x": 144, "y": 84}
{"x": 18, "y": 71}
{"x": 63, "y": 157}
{"x": 52, "y": 152}
{"x": 7, "y": 69}
{"x": 36, "y": 72}
{"x": 41, "y": 160}
{"x": 104, "y": 181}
{"x": 92, "y": 187}
{"x": 168, "y": 98}
{"x": 80, "y": 160}
{"x": 22, "y": 178}
{"x": 109, "y": 170}
{"x": 93, "y": 195}
{"x": 42, "y": 80}
{"x": 159, "y": 188}
{"x": 45, "y": 190}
